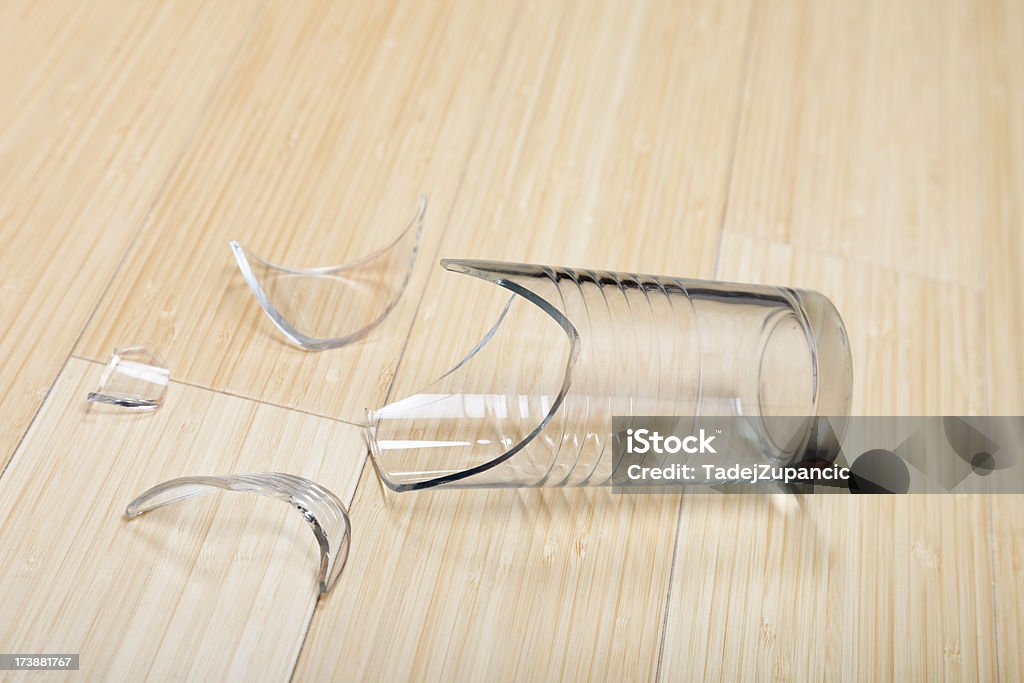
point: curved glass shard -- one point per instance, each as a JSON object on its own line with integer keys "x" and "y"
{"x": 328, "y": 307}
{"x": 324, "y": 512}
{"x": 136, "y": 378}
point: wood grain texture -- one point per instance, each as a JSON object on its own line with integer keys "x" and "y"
{"x": 803, "y": 590}
{"x": 918, "y": 349}
{"x": 860, "y": 131}
{"x": 511, "y": 585}
{"x": 888, "y": 588}
{"x": 96, "y": 105}
{"x": 1002, "y": 150}
{"x": 221, "y": 587}
{"x": 1002, "y": 107}
{"x": 873, "y": 151}
{"x": 339, "y": 116}
{"x": 917, "y": 342}
{"x": 602, "y": 135}
{"x": 1007, "y": 534}
{"x": 597, "y": 129}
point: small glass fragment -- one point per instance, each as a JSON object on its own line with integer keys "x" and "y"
{"x": 136, "y": 378}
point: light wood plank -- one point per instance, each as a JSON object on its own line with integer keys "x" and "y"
{"x": 608, "y": 142}
{"x": 96, "y": 104}
{"x": 860, "y": 134}
{"x": 917, "y": 342}
{"x": 874, "y": 153}
{"x": 336, "y": 117}
{"x": 1007, "y": 534}
{"x": 1002, "y": 107}
{"x": 221, "y": 587}
{"x": 602, "y": 138}
{"x": 840, "y": 587}
{"x": 497, "y": 585}
{"x": 849, "y": 588}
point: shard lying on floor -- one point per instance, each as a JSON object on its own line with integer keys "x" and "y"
{"x": 136, "y": 378}
{"x": 324, "y": 512}
{"x": 328, "y": 307}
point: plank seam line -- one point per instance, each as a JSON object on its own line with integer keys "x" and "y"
{"x": 668, "y": 593}
{"x": 986, "y": 380}
{"x": 992, "y": 583}
{"x": 854, "y": 260}
{"x": 748, "y": 58}
{"x": 161, "y": 188}
{"x": 242, "y": 397}
{"x": 484, "y": 109}
{"x": 985, "y": 291}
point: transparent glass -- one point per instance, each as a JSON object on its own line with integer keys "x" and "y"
{"x": 531, "y": 403}
{"x": 331, "y": 306}
{"x": 136, "y": 378}
{"x": 323, "y": 510}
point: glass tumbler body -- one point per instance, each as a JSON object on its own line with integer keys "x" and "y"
{"x": 532, "y": 403}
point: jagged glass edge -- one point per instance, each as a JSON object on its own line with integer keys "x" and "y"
{"x": 409, "y": 238}
{"x": 494, "y": 272}
{"x": 131, "y": 403}
{"x": 323, "y": 510}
